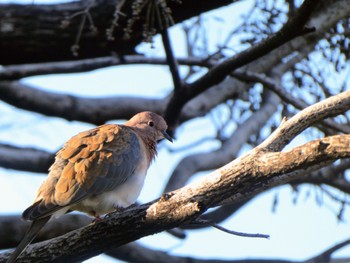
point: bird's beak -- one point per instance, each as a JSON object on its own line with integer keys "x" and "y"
{"x": 167, "y": 136}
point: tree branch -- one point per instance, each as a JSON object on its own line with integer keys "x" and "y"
{"x": 240, "y": 179}
{"x": 13, "y": 228}
{"x": 96, "y": 111}
{"x": 289, "y": 129}
{"x": 101, "y": 110}
{"x": 25, "y": 159}
{"x": 272, "y": 85}
{"x": 171, "y": 60}
{"x": 131, "y": 252}
{"x": 293, "y": 28}
{"x": 333, "y": 176}
{"x": 326, "y": 255}
{"x": 134, "y": 252}
{"x": 15, "y": 72}
{"x": 206, "y": 222}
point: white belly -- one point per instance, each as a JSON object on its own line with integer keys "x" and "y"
{"x": 125, "y": 194}
{"x": 122, "y": 196}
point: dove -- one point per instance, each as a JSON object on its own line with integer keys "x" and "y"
{"x": 96, "y": 172}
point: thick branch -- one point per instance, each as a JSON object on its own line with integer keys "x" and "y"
{"x": 96, "y": 111}
{"x": 14, "y": 72}
{"x": 131, "y": 252}
{"x": 25, "y": 159}
{"x": 13, "y": 228}
{"x": 136, "y": 253}
{"x": 244, "y": 177}
{"x": 33, "y": 33}
{"x": 330, "y": 107}
{"x": 100, "y": 110}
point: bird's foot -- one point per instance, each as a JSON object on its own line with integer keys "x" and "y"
{"x": 97, "y": 218}
{"x": 118, "y": 208}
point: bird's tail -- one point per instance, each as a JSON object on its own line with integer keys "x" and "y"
{"x": 28, "y": 237}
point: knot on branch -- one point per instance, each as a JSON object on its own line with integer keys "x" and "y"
{"x": 322, "y": 146}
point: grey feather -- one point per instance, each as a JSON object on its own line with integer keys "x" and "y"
{"x": 32, "y": 232}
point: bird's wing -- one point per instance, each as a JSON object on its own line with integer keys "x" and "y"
{"x": 89, "y": 164}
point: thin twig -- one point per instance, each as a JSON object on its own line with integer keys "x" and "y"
{"x": 241, "y": 234}
{"x": 75, "y": 47}
{"x": 298, "y": 103}
{"x": 333, "y": 196}
{"x": 191, "y": 145}
{"x": 114, "y": 24}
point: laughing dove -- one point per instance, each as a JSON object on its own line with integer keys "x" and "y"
{"x": 96, "y": 172}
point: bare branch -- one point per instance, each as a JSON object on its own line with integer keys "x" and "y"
{"x": 326, "y": 255}
{"x": 221, "y": 213}
{"x": 188, "y": 203}
{"x": 13, "y": 228}
{"x": 288, "y": 130}
{"x": 25, "y": 159}
{"x": 132, "y": 252}
{"x": 96, "y": 111}
{"x": 332, "y": 176}
{"x": 14, "y": 72}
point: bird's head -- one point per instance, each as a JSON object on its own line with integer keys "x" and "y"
{"x": 152, "y": 125}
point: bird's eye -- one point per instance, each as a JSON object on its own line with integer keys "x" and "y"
{"x": 150, "y": 123}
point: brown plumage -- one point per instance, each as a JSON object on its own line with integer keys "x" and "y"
{"x": 97, "y": 171}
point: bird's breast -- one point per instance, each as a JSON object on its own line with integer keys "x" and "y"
{"x": 122, "y": 196}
